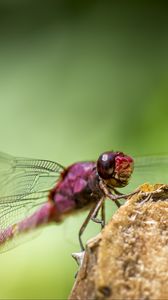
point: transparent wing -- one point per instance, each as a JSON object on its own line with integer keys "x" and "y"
{"x": 24, "y": 187}
{"x": 152, "y": 169}
{"x": 19, "y": 176}
{"x": 14, "y": 210}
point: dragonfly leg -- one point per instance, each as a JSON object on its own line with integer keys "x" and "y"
{"x": 85, "y": 223}
{"x": 124, "y": 196}
{"x": 117, "y": 195}
{"x": 94, "y": 210}
{"x": 101, "y": 204}
{"x": 103, "y": 215}
{"x": 117, "y": 192}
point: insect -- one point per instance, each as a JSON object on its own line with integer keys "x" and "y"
{"x": 36, "y": 192}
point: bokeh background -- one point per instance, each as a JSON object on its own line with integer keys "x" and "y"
{"x": 76, "y": 78}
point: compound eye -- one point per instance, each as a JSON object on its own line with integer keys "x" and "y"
{"x": 106, "y": 164}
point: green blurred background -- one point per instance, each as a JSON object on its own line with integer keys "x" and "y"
{"x": 76, "y": 78}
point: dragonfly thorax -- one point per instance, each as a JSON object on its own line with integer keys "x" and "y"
{"x": 78, "y": 187}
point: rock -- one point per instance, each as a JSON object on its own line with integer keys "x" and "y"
{"x": 129, "y": 258}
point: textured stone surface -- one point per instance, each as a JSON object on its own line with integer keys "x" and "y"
{"x": 129, "y": 258}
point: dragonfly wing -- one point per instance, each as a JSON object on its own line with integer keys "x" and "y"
{"x": 14, "y": 211}
{"x": 151, "y": 169}
{"x": 15, "y": 208}
{"x": 24, "y": 187}
{"x": 19, "y": 176}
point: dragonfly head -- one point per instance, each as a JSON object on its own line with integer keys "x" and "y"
{"x": 115, "y": 168}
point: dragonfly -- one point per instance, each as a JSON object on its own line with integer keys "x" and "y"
{"x": 35, "y": 192}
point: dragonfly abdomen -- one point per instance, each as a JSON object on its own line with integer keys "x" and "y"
{"x": 43, "y": 216}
